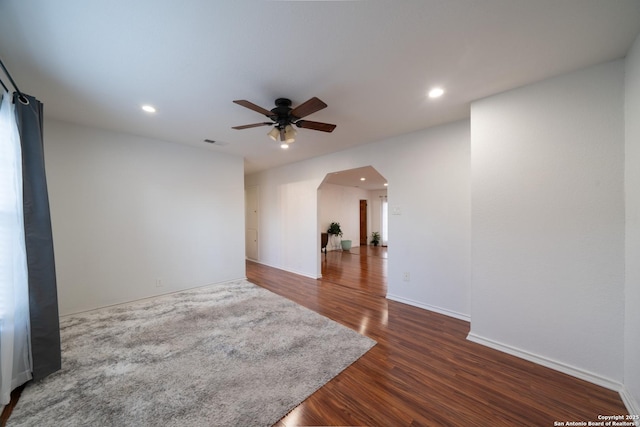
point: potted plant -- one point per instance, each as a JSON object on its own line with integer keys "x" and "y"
{"x": 335, "y": 231}
{"x": 375, "y": 238}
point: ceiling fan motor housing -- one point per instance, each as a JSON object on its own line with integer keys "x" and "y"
{"x": 281, "y": 112}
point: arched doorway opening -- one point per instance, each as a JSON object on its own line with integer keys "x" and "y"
{"x": 357, "y": 200}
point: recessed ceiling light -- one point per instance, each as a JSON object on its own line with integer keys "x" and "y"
{"x": 363, "y": 179}
{"x": 148, "y": 109}
{"x": 386, "y": 184}
{"x": 436, "y": 92}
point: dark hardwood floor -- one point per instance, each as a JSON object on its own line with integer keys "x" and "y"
{"x": 363, "y": 268}
{"x": 15, "y": 395}
{"x": 423, "y": 371}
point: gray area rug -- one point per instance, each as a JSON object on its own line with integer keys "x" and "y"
{"x": 232, "y": 354}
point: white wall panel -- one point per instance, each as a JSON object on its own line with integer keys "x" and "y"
{"x": 547, "y": 207}
{"x": 131, "y": 213}
{"x": 632, "y": 193}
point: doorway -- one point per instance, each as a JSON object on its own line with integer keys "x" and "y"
{"x": 363, "y": 223}
{"x": 353, "y": 198}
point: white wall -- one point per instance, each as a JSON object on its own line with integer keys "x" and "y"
{"x": 428, "y": 175}
{"x": 338, "y": 203}
{"x": 547, "y": 165}
{"x": 375, "y": 212}
{"x": 632, "y": 193}
{"x": 127, "y": 211}
{"x": 289, "y": 232}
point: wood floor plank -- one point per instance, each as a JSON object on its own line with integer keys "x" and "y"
{"x": 423, "y": 371}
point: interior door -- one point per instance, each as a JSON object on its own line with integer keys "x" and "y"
{"x": 363, "y": 223}
{"x": 251, "y": 223}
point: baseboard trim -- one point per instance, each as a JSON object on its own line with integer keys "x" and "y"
{"x": 428, "y": 307}
{"x": 299, "y": 273}
{"x": 632, "y": 405}
{"x": 549, "y": 363}
{"x": 166, "y": 292}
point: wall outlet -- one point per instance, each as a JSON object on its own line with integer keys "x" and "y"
{"x": 158, "y": 283}
{"x": 406, "y": 276}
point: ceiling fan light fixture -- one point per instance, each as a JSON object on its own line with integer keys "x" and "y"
{"x": 284, "y": 145}
{"x": 274, "y": 133}
{"x": 289, "y": 134}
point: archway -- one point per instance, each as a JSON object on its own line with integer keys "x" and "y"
{"x": 355, "y": 199}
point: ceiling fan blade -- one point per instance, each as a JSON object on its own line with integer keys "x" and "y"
{"x": 254, "y": 107}
{"x": 254, "y": 125}
{"x": 324, "y": 127}
{"x": 308, "y": 107}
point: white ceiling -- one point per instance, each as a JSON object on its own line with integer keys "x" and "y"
{"x": 354, "y": 178}
{"x": 96, "y": 62}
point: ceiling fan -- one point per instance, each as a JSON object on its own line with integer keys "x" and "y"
{"x": 283, "y": 117}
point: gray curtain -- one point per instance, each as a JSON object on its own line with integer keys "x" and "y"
{"x": 43, "y": 297}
